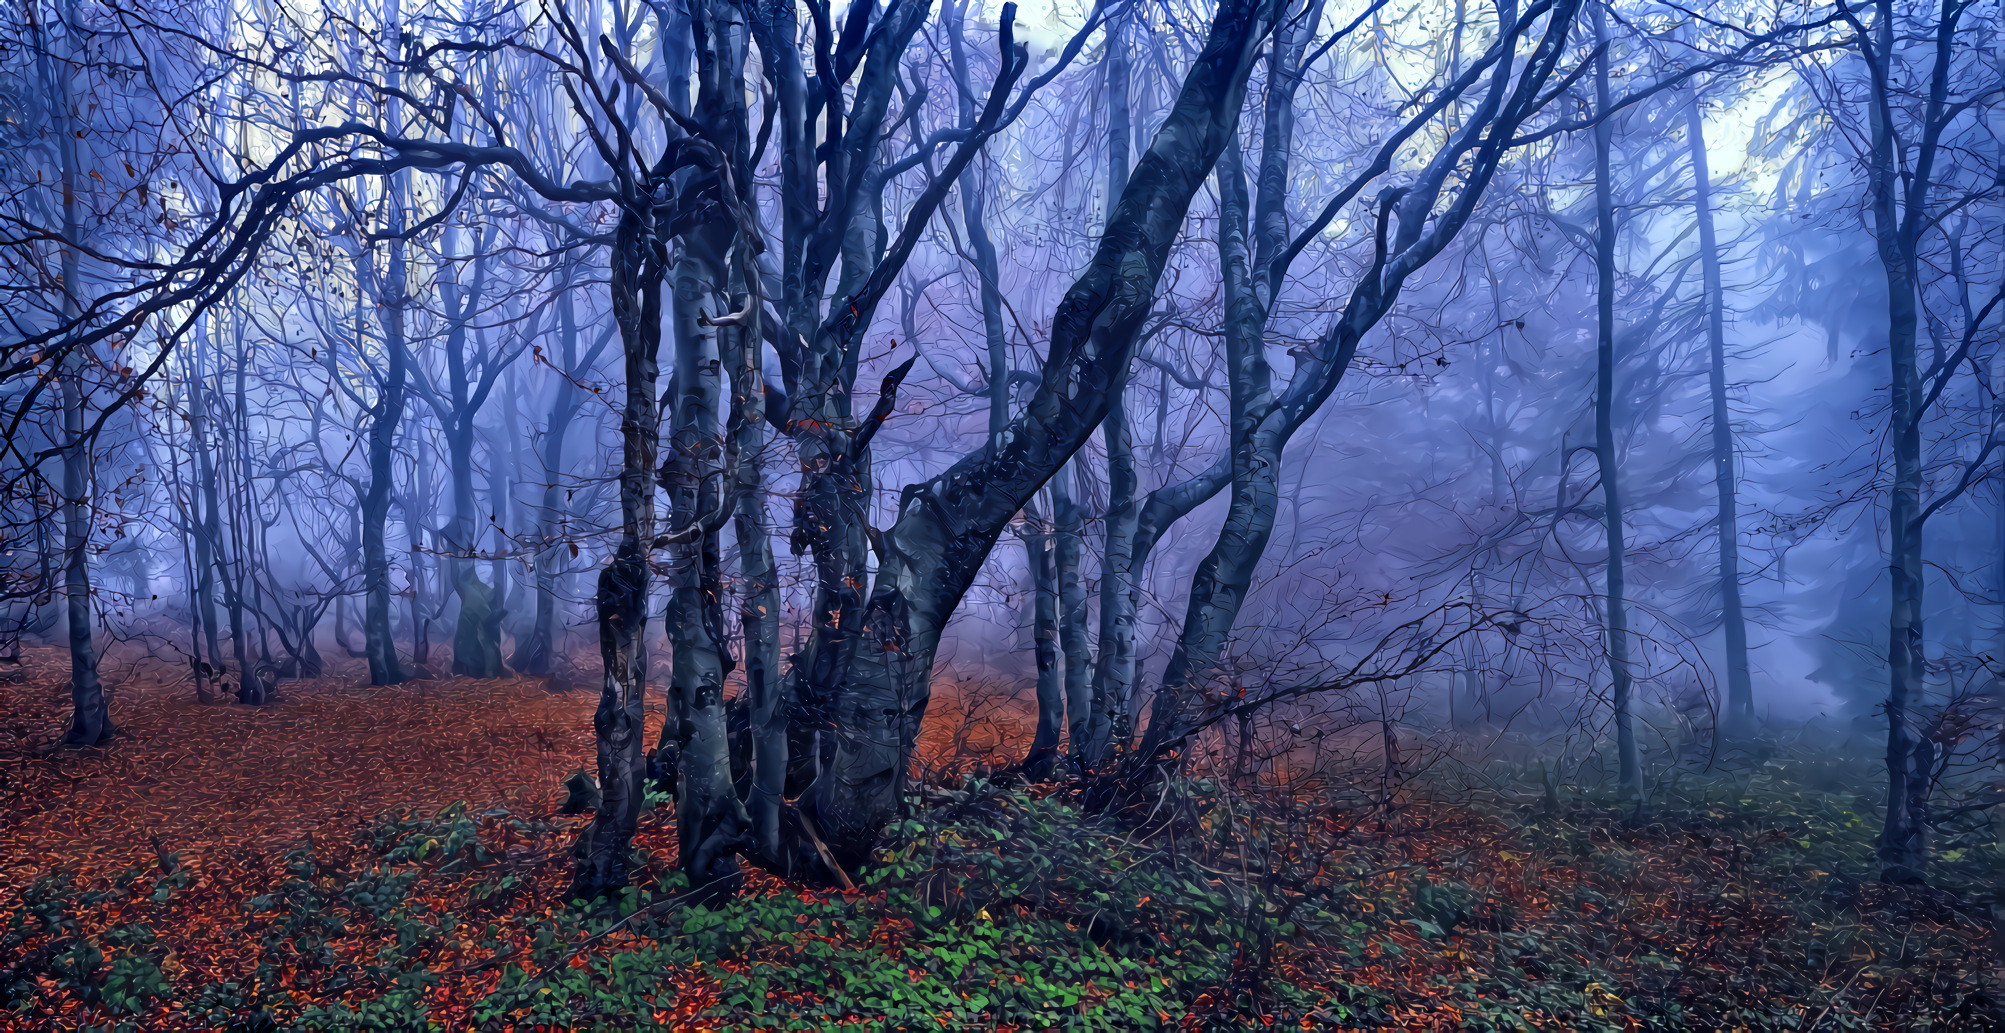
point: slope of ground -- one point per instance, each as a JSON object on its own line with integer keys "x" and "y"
{"x": 218, "y": 778}
{"x": 391, "y": 858}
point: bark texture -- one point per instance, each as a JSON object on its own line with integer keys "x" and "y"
{"x": 947, "y": 525}
{"x": 1733, "y": 620}
{"x": 1606, "y": 454}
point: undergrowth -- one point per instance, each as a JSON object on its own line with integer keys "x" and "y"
{"x": 1729, "y": 900}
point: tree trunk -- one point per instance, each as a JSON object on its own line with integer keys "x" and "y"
{"x": 1225, "y": 575}
{"x": 709, "y": 815}
{"x": 1103, "y": 717}
{"x": 417, "y": 509}
{"x": 387, "y": 414}
{"x": 90, "y": 702}
{"x": 250, "y": 686}
{"x": 1070, "y": 509}
{"x": 207, "y": 531}
{"x": 605, "y": 849}
{"x": 759, "y": 600}
{"x": 1262, "y": 421}
{"x": 831, "y": 518}
{"x": 1037, "y": 537}
{"x": 1115, "y": 675}
{"x": 533, "y": 656}
{"x": 1093, "y": 707}
{"x": 1996, "y": 370}
{"x": 90, "y": 707}
{"x": 947, "y": 525}
{"x": 477, "y": 633}
{"x": 1899, "y": 189}
{"x": 501, "y": 486}
{"x": 1251, "y": 271}
{"x": 712, "y": 824}
{"x": 198, "y": 666}
{"x": 1039, "y": 540}
{"x": 1605, "y": 453}
{"x": 1740, "y": 686}
{"x": 1902, "y": 846}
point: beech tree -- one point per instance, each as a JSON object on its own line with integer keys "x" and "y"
{"x": 650, "y": 285}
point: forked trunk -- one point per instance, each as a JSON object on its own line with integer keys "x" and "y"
{"x": 947, "y": 525}
{"x": 605, "y": 849}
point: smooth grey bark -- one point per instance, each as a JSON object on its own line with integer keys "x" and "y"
{"x": 207, "y": 529}
{"x": 1251, "y": 467}
{"x": 90, "y": 702}
{"x": 1038, "y": 537}
{"x": 759, "y": 583}
{"x": 1899, "y": 188}
{"x": 501, "y": 483}
{"x": 477, "y": 633}
{"x": 1409, "y": 233}
{"x": 947, "y": 525}
{"x": 1092, "y": 703}
{"x": 1903, "y": 847}
{"x": 712, "y": 822}
{"x": 1115, "y": 674}
{"x": 1041, "y": 548}
{"x": 986, "y": 270}
{"x": 90, "y": 705}
{"x": 1069, "y": 510}
{"x": 695, "y": 732}
{"x": 699, "y": 174}
{"x": 533, "y": 655}
{"x": 777, "y": 34}
{"x": 384, "y": 418}
{"x": 189, "y": 516}
{"x": 416, "y": 506}
{"x": 1133, "y": 531}
{"x": 820, "y": 355}
{"x": 1225, "y": 575}
{"x": 1104, "y": 712}
{"x": 1740, "y": 686}
{"x": 1606, "y": 454}
{"x": 1040, "y": 540}
{"x": 1995, "y": 368}
{"x": 1215, "y": 601}
{"x": 250, "y": 682}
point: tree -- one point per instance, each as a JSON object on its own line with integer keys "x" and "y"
{"x": 1740, "y": 685}
{"x": 1629, "y": 772}
{"x": 1913, "y": 175}
{"x": 1408, "y": 232}
{"x": 947, "y": 524}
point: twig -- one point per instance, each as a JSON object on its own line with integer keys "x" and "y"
{"x": 1814, "y": 1023}
{"x": 821, "y": 848}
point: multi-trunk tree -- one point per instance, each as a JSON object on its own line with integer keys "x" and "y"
{"x": 454, "y": 224}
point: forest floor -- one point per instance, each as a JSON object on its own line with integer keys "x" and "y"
{"x": 349, "y": 857}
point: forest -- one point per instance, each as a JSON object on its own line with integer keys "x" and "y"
{"x": 935, "y": 514}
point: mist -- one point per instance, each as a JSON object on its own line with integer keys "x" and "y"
{"x": 751, "y": 448}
